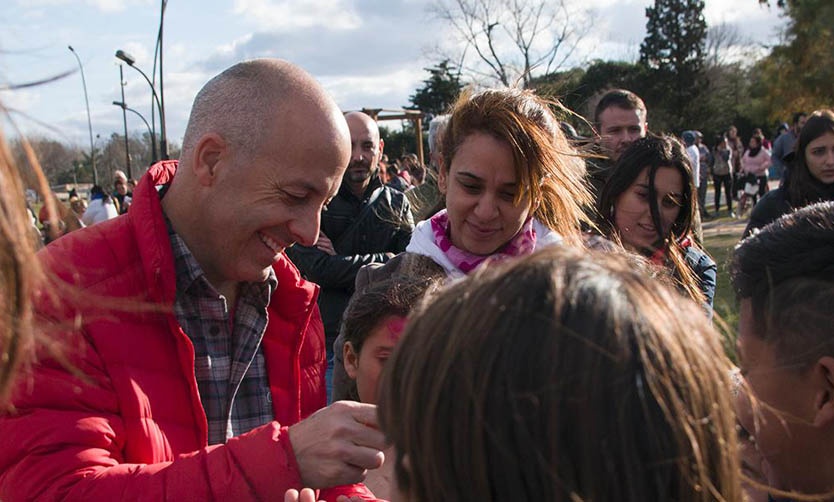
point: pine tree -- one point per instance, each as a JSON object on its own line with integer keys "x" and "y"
{"x": 674, "y": 53}
{"x": 439, "y": 91}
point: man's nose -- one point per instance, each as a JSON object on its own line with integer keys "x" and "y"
{"x": 305, "y": 230}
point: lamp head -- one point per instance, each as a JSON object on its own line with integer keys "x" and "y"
{"x": 124, "y": 56}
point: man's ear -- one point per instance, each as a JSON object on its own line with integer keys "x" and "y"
{"x": 381, "y": 146}
{"x": 824, "y": 397}
{"x": 351, "y": 360}
{"x": 207, "y": 154}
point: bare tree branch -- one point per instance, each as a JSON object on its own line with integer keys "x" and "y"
{"x": 512, "y": 39}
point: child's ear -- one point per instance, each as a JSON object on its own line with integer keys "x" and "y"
{"x": 351, "y": 360}
{"x": 824, "y": 397}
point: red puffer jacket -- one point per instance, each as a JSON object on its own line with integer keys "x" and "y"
{"x": 128, "y": 424}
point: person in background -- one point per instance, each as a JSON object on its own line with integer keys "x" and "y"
{"x": 784, "y": 279}
{"x": 737, "y": 147}
{"x": 565, "y": 375}
{"x": 810, "y": 177}
{"x": 754, "y": 166}
{"x": 78, "y": 207}
{"x": 766, "y": 144}
{"x": 722, "y": 174}
{"x": 649, "y": 204}
{"x": 121, "y": 191}
{"x": 426, "y": 198}
{"x": 101, "y": 207}
{"x": 705, "y": 161}
{"x": 620, "y": 118}
{"x": 784, "y": 145}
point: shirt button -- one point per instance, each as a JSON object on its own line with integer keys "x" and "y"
{"x": 214, "y": 330}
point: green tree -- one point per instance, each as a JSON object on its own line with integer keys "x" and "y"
{"x": 439, "y": 91}
{"x": 798, "y": 73}
{"x": 579, "y": 90}
{"x": 674, "y": 53}
{"x": 400, "y": 142}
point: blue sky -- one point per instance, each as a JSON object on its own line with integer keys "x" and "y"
{"x": 367, "y": 53}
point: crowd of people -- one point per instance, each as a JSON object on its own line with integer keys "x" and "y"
{"x": 283, "y": 312}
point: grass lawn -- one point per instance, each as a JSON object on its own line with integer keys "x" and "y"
{"x": 720, "y": 237}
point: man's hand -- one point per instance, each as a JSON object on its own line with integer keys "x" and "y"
{"x": 338, "y": 444}
{"x": 325, "y": 244}
{"x": 309, "y": 495}
{"x": 306, "y": 495}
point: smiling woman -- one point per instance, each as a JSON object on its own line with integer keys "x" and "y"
{"x": 511, "y": 181}
{"x": 647, "y": 204}
{"x": 512, "y": 184}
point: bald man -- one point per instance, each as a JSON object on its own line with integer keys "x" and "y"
{"x": 195, "y": 368}
{"x": 367, "y": 222}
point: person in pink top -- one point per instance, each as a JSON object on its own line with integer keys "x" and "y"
{"x": 754, "y": 165}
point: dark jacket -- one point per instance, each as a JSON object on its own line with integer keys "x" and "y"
{"x": 773, "y": 205}
{"x": 776, "y": 203}
{"x": 384, "y": 228}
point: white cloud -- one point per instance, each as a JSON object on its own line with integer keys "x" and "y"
{"x": 287, "y": 15}
{"x": 387, "y": 90}
{"x": 101, "y": 5}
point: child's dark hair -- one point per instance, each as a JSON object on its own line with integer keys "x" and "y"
{"x": 395, "y": 296}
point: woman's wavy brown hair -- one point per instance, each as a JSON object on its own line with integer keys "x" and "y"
{"x": 20, "y": 272}
{"x": 550, "y": 172}
{"x": 562, "y": 376}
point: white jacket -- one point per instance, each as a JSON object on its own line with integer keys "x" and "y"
{"x": 422, "y": 242}
{"x": 99, "y": 211}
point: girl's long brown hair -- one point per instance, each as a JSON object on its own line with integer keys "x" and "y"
{"x": 20, "y": 272}
{"x": 566, "y": 375}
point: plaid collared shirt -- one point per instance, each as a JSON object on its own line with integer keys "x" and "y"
{"x": 229, "y": 363}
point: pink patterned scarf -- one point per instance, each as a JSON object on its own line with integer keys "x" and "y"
{"x": 523, "y": 243}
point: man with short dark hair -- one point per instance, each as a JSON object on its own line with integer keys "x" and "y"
{"x": 784, "y": 145}
{"x": 366, "y": 222}
{"x": 784, "y": 277}
{"x": 193, "y": 365}
{"x": 620, "y": 119}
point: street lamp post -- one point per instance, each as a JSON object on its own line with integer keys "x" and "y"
{"x": 158, "y": 98}
{"x": 124, "y": 120}
{"x": 124, "y": 107}
{"x": 131, "y": 61}
{"x": 89, "y": 120}
{"x": 164, "y": 145}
